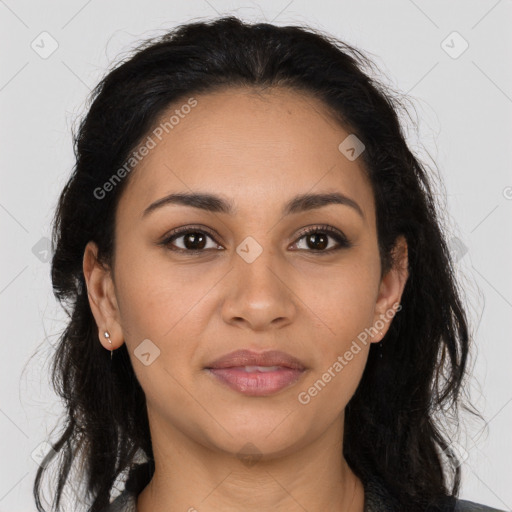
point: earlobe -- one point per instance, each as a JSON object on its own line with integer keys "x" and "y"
{"x": 102, "y": 299}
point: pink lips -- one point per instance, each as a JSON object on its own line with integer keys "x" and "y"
{"x": 231, "y": 370}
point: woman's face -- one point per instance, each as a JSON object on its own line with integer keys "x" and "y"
{"x": 254, "y": 281}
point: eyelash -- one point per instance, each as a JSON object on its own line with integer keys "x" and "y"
{"x": 332, "y": 232}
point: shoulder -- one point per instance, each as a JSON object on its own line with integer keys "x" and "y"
{"x": 376, "y": 499}
{"x": 470, "y": 506}
{"x": 379, "y": 499}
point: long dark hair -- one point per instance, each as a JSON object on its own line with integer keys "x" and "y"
{"x": 395, "y": 422}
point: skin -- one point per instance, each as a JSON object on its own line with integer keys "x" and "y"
{"x": 258, "y": 150}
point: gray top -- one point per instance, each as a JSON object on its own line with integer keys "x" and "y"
{"x": 377, "y": 499}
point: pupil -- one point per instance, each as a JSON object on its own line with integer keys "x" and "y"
{"x": 194, "y": 238}
{"x": 313, "y": 238}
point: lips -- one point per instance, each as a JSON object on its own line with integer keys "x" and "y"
{"x": 245, "y": 358}
{"x": 257, "y": 374}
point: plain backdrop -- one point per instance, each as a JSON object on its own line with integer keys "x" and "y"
{"x": 451, "y": 57}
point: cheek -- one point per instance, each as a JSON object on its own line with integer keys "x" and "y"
{"x": 160, "y": 304}
{"x": 156, "y": 294}
{"x": 340, "y": 359}
{"x": 341, "y": 304}
{"x": 342, "y": 309}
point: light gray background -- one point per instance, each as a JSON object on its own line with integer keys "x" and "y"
{"x": 463, "y": 108}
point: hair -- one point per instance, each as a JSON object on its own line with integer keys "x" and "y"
{"x": 395, "y": 422}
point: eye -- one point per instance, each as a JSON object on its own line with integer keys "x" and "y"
{"x": 317, "y": 238}
{"x": 194, "y": 240}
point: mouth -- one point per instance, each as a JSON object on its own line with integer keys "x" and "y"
{"x": 257, "y": 380}
{"x": 257, "y": 374}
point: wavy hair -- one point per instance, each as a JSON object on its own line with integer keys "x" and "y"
{"x": 410, "y": 388}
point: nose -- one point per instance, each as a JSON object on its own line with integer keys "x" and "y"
{"x": 260, "y": 294}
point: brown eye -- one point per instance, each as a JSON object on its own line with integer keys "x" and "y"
{"x": 191, "y": 240}
{"x": 317, "y": 239}
{"x": 194, "y": 240}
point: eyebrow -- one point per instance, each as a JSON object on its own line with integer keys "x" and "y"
{"x": 216, "y": 204}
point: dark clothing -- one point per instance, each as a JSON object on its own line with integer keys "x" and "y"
{"x": 377, "y": 499}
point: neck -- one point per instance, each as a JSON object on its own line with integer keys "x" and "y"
{"x": 191, "y": 477}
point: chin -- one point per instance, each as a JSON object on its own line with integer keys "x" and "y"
{"x": 258, "y": 441}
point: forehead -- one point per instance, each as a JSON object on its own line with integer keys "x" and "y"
{"x": 257, "y": 147}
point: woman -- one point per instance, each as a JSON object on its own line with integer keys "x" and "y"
{"x": 248, "y": 234}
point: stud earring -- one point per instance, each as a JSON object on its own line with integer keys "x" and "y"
{"x": 107, "y": 335}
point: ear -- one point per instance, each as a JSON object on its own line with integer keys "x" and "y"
{"x": 102, "y": 299}
{"x": 391, "y": 289}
